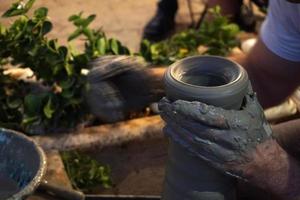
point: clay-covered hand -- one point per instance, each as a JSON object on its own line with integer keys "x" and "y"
{"x": 117, "y": 86}
{"x": 227, "y": 139}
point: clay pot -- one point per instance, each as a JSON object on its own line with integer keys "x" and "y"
{"x": 210, "y": 79}
{"x": 216, "y": 81}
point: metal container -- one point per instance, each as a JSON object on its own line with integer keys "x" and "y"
{"x": 22, "y": 165}
{"x": 216, "y": 81}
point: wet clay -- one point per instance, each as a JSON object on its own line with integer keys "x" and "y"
{"x": 215, "y": 81}
{"x": 8, "y": 187}
{"x": 204, "y": 79}
{"x": 221, "y": 137}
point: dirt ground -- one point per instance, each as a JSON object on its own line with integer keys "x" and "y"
{"x": 122, "y": 19}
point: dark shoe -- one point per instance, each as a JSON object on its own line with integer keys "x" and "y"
{"x": 159, "y": 27}
{"x": 246, "y": 19}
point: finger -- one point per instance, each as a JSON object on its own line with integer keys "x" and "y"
{"x": 252, "y": 106}
{"x": 250, "y": 89}
{"x": 108, "y": 70}
{"x": 167, "y": 115}
{"x": 210, "y": 152}
{"x": 201, "y": 112}
{"x": 105, "y": 102}
{"x": 197, "y": 132}
{"x": 200, "y": 132}
{"x": 165, "y": 109}
{"x": 218, "y": 136}
{"x": 109, "y": 66}
{"x": 102, "y": 60}
{"x": 215, "y": 153}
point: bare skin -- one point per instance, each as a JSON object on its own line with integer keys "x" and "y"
{"x": 287, "y": 134}
{"x": 274, "y": 170}
{"x": 273, "y": 78}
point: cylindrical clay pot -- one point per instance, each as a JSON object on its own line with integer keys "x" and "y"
{"x": 216, "y": 81}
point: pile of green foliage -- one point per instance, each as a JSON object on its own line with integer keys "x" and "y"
{"x": 216, "y": 37}
{"x": 56, "y": 67}
{"x": 85, "y": 172}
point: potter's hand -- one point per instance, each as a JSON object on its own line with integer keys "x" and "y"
{"x": 224, "y": 138}
{"x": 118, "y": 85}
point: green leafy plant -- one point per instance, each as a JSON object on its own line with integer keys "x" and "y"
{"x": 11, "y": 107}
{"x": 59, "y": 103}
{"x": 57, "y": 68}
{"x": 216, "y": 37}
{"x": 97, "y": 43}
{"x": 85, "y": 172}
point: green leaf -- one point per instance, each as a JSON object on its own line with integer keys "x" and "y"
{"x": 41, "y": 13}
{"x": 115, "y": 46}
{"x": 88, "y": 20}
{"x": 19, "y": 8}
{"x": 49, "y": 109}
{"x": 68, "y": 93}
{"x": 67, "y": 83}
{"x": 2, "y": 29}
{"x": 33, "y": 103}
{"x": 88, "y": 33}
{"x": 29, "y": 120}
{"x": 101, "y": 45}
{"x": 47, "y": 27}
{"x": 145, "y": 50}
{"x": 16, "y": 9}
{"x": 63, "y": 51}
{"x": 232, "y": 29}
{"x": 29, "y": 4}
{"x": 75, "y": 34}
{"x": 69, "y": 69}
{"x": 73, "y": 17}
{"x": 85, "y": 172}
{"x": 13, "y": 102}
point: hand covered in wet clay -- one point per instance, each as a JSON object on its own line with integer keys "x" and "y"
{"x": 226, "y": 139}
{"x": 119, "y": 85}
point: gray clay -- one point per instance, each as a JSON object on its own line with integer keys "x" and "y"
{"x": 214, "y": 134}
{"x": 210, "y": 79}
{"x": 215, "y": 81}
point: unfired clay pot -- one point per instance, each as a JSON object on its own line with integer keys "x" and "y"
{"x": 216, "y": 81}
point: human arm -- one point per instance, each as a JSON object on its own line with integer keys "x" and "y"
{"x": 238, "y": 143}
{"x": 273, "y": 78}
{"x": 287, "y": 134}
{"x": 121, "y": 85}
{"x": 274, "y": 170}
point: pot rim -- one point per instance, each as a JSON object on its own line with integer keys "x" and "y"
{"x": 172, "y": 69}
